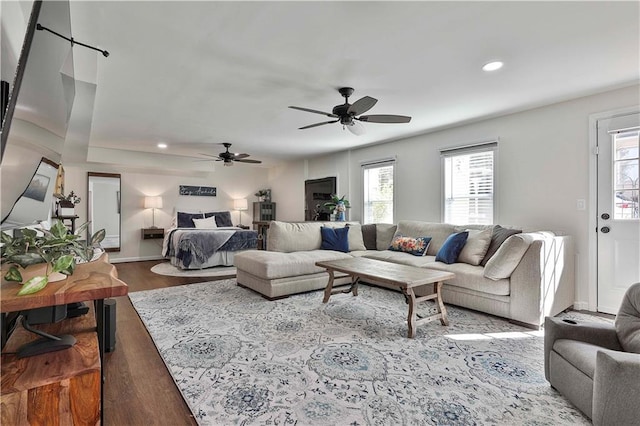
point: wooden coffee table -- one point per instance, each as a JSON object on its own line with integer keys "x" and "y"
{"x": 403, "y": 276}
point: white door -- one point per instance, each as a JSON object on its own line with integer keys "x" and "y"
{"x": 618, "y": 217}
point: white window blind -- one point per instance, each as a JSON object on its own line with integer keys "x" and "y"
{"x": 468, "y": 178}
{"x": 378, "y": 191}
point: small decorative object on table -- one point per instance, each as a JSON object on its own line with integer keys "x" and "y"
{"x": 263, "y": 195}
{"x": 339, "y": 206}
{"x": 66, "y": 204}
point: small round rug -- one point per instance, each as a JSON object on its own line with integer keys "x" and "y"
{"x": 167, "y": 268}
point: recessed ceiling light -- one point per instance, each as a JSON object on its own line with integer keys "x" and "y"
{"x": 492, "y": 66}
{"x": 162, "y": 145}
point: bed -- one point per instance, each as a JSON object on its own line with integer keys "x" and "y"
{"x": 204, "y": 240}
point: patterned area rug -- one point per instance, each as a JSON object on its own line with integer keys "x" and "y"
{"x": 240, "y": 359}
{"x": 167, "y": 268}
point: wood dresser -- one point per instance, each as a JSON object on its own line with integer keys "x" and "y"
{"x": 64, "y": 387}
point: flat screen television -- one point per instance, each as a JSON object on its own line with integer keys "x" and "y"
{"x": 316, "y": 193}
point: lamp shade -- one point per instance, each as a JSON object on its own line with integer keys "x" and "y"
{"x": 152, "y": 202}
{"x": 240, "y": 204}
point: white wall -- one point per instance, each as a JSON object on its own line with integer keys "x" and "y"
{"x": 542, "y": 169}
{"x": 238, "y": 181}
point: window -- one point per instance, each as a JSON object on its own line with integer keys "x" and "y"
{"x": 468, "y": 178}
{"x": 378, "y": 191}
{"x": 626, "y": 162}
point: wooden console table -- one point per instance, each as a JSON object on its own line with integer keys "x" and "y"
{"x": 46, "y": 387}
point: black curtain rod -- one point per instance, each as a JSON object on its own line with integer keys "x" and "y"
{"x": 73, "y": 42}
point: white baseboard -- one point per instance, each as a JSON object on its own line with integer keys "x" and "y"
{"x": 134, "y": 259}
{"x": 581, "y": 306}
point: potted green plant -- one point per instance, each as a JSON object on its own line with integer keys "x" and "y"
{"x": 338, "y": 206}
{"x": 56, "y": 248}
{"x": 262, "y": 194}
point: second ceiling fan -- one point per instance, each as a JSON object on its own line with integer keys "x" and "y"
{"x": 347, "y": 114}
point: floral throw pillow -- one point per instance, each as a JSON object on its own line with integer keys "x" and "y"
{"x": 415, "y": 246}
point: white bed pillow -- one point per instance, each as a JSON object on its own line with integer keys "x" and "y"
{"x": 207, "y": 223}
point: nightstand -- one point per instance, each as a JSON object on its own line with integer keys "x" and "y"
{"x": 152, "y": 233}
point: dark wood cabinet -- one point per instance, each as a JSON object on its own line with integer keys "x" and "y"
{"x": 152, "y": 233}
{"x": 264, "y": 211}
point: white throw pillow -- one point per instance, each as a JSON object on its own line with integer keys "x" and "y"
{"x": 207, "y": 223}
{"x": 476, "y": 246}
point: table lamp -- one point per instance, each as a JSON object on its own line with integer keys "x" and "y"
{"x": 153, "y": 203}
{"x": 240, "y": 204}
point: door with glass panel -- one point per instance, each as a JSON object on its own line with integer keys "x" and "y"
{"x": 618, "y": 216}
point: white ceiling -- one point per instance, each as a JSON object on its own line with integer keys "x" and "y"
{"x": 188, "y": 73}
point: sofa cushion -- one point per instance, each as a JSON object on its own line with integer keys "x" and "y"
{"x": 437, "y": 231}
{"x": 452, "y": 247}
{"x": 384, "y": 235}
{"x": 335, "y": 239}
{"x": 355, "y": 234}
{"x": 472, "y": 278}
{"x": 288, "y": 237}
{"x": 579, "y": 354}
{"x": 416, "y": 246}
{"x": 476, "y": 246}
{"x": 400, "y": 257}
{"x": 369, "y": 236}
{"x": 628, "y": 320}
{"x": 498, "y": 236}
{"x": 506, "y": 260}
{"x": 272, "y": 264}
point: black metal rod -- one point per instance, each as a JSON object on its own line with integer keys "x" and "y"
{"x": 71, "y": 40}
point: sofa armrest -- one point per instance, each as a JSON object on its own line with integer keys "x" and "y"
{"x": 588, "y": 332}
{"x": 616, "y": 388}
{"x": 543, "y": 282}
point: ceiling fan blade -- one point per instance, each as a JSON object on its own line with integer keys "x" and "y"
{"x": 238, "y": 156}
{"x": 315, "y": 111}
{"x": 356, "y": 128}
{"x": 248, "y": 161}
{"x": 209, "y": 155}
{"x": 382, "y": 118}
{"x": 362, "y": 105}
{"x": 318, "y": 124}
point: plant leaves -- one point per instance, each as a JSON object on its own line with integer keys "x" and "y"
{"x": 80, "y": 230}
{"x": 63, "y": 264}
{"x": 26, "y": 259}
{"x": 98, "y": 237}
{"x": 59, "y": 230}
{"x": 13, "y": 274}
{"x": 34, "y": 285}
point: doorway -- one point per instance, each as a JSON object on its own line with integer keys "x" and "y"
{"x": 618, "y": 216}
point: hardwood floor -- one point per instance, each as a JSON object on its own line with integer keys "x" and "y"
{"x": 138, "y": 389}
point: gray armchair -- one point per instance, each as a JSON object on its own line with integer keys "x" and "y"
{"x": 597, "y": 366}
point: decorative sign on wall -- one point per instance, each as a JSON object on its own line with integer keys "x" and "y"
{"x": 203, "y": 191}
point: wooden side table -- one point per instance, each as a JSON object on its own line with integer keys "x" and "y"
{"x": 152, "y": 233}
{"x": 71, "y": 219}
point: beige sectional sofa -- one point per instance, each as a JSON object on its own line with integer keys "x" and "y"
{"x": 529, "y": 276}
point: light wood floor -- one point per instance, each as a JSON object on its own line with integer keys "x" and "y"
{"x": 138, "y": 388}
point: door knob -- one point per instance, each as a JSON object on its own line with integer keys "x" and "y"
{"x": 605, "y": 216}
{"x": 605, "y": 229}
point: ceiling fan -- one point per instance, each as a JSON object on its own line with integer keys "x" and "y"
{"x": 346, "y": 113}
{"x": 230, "y": 157}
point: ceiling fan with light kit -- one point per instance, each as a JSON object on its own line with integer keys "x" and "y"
{"x": 347, "y": 114}
{"x": 231, "y": 157}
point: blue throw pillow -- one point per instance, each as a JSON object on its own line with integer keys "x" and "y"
{"x": 452, "y": 247}
{"x": 185, "y": 220}
{"x": 335, "y": 239}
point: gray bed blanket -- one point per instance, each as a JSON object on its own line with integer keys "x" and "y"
{"x": 197, "y": 245}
